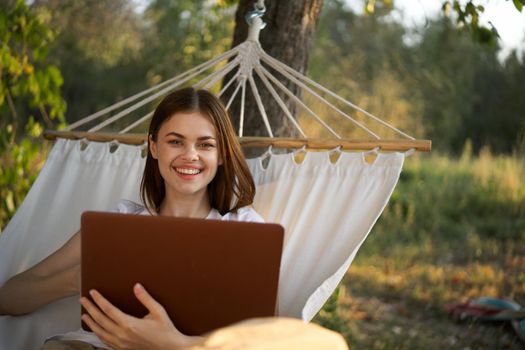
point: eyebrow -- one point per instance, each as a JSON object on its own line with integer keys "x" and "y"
{"x": 201, "y": 138}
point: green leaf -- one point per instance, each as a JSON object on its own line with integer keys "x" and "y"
{"x": 55, "y": 76}
{"x": 470, "y": 9}
{"x": 457, "y": 7}
{"x": 518, "y": 4}
{"x": 40, "y": 53}
{"x": 484, "y": 35}
{"x": 446, "y": 8}
{"x": 9, "y": 201}
{"x": 34, "y": 129}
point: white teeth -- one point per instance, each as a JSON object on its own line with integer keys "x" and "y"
{"x": 188, "y": 171}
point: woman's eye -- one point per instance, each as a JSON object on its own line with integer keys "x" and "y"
{"x": 207, "y": 145}
{"x": 175, "y": 142}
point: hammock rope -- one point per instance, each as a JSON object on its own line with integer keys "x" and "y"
{"x": 130, "y": 99}
{"x": 263, "y": 72}
{"x": 350, "y": 104}
{"x": 278, "y": 66}
{"x": 280, "y": 102}
{"x": 260, "y": 105}
{"x": 151, "y": 98}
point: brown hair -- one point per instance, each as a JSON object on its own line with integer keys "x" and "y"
{"x": 233, "y": 186}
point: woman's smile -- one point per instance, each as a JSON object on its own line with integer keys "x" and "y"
{"x": 187, "y": 171}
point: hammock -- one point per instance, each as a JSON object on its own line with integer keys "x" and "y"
{"x": 327, "y": 207}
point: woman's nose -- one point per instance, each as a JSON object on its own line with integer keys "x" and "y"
{"x": 190, "y": 154}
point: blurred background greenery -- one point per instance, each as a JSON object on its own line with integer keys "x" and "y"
{"x": 455, "y": 226}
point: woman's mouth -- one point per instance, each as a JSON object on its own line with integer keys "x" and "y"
{"x": 188, "y": 171}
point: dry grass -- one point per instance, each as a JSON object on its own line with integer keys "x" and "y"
{"x": 385, "y": 304}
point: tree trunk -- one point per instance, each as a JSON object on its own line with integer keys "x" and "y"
{"x": 288, "y": 38}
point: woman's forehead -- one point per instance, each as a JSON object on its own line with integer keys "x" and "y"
{"x": 189, "y": 123}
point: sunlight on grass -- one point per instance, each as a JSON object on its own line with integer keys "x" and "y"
{"x": 454, "y": 229}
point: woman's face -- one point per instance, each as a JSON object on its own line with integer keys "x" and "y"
{"x": 186, "y": 149}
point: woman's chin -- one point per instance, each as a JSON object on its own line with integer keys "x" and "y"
{"x": 188, "y": 190}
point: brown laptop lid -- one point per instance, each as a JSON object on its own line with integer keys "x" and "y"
{"x": 206, "y": 273}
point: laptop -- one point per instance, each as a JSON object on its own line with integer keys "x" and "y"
{"x": 206, "y": 273}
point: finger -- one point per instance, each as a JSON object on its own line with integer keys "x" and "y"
{"x": 106, "y": 337}
{"x": 108, "y": 309}
{"x": 147, "y": 300}
{"x": 97, "y": 315}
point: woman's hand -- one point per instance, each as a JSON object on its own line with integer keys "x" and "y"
{"x": 122, "y": 331}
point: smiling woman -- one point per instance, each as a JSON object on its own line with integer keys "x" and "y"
{"x": 194, "y": 168}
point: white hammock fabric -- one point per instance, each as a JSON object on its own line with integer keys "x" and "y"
{"x": 327, "y": 210}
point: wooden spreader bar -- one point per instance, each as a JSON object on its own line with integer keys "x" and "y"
{"x": 261, "y": 142}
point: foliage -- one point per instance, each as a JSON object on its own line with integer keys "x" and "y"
{"x": 21, "y": 161}
{"x": 25, "y": 78}
{"x": 466, "y": 16}
{"x": 28, "y": 84}
{"x": 105, "y": 31}
{"x": 433, "y": 82}
{"x": 201, "y": 30}
{"x": 375, "y": 61}
{"x": 98, "y": 50}
{"x": 467, "y": 92}
{"x": 109, "y": 50}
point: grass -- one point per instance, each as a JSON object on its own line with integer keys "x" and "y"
{"x": 453, "y": 230}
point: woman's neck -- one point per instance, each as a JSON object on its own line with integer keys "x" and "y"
{"x": 186, "y": 206}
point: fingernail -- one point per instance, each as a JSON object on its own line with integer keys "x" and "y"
{"x": 139, "y": 286}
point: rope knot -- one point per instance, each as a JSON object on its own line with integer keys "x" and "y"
{"x": 249, "y": 58}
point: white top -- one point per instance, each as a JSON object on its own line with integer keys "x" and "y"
{"x": 243, "y": 214}
{"x": 128, "y": 207}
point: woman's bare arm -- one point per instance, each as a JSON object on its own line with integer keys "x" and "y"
{"x": 55, "y": 277}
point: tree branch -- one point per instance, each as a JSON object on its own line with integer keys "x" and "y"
{"x": 45, "y": 116}
{"x": 12, "y": 108}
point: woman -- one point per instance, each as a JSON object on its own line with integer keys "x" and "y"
{"x": 194, "y": 168}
